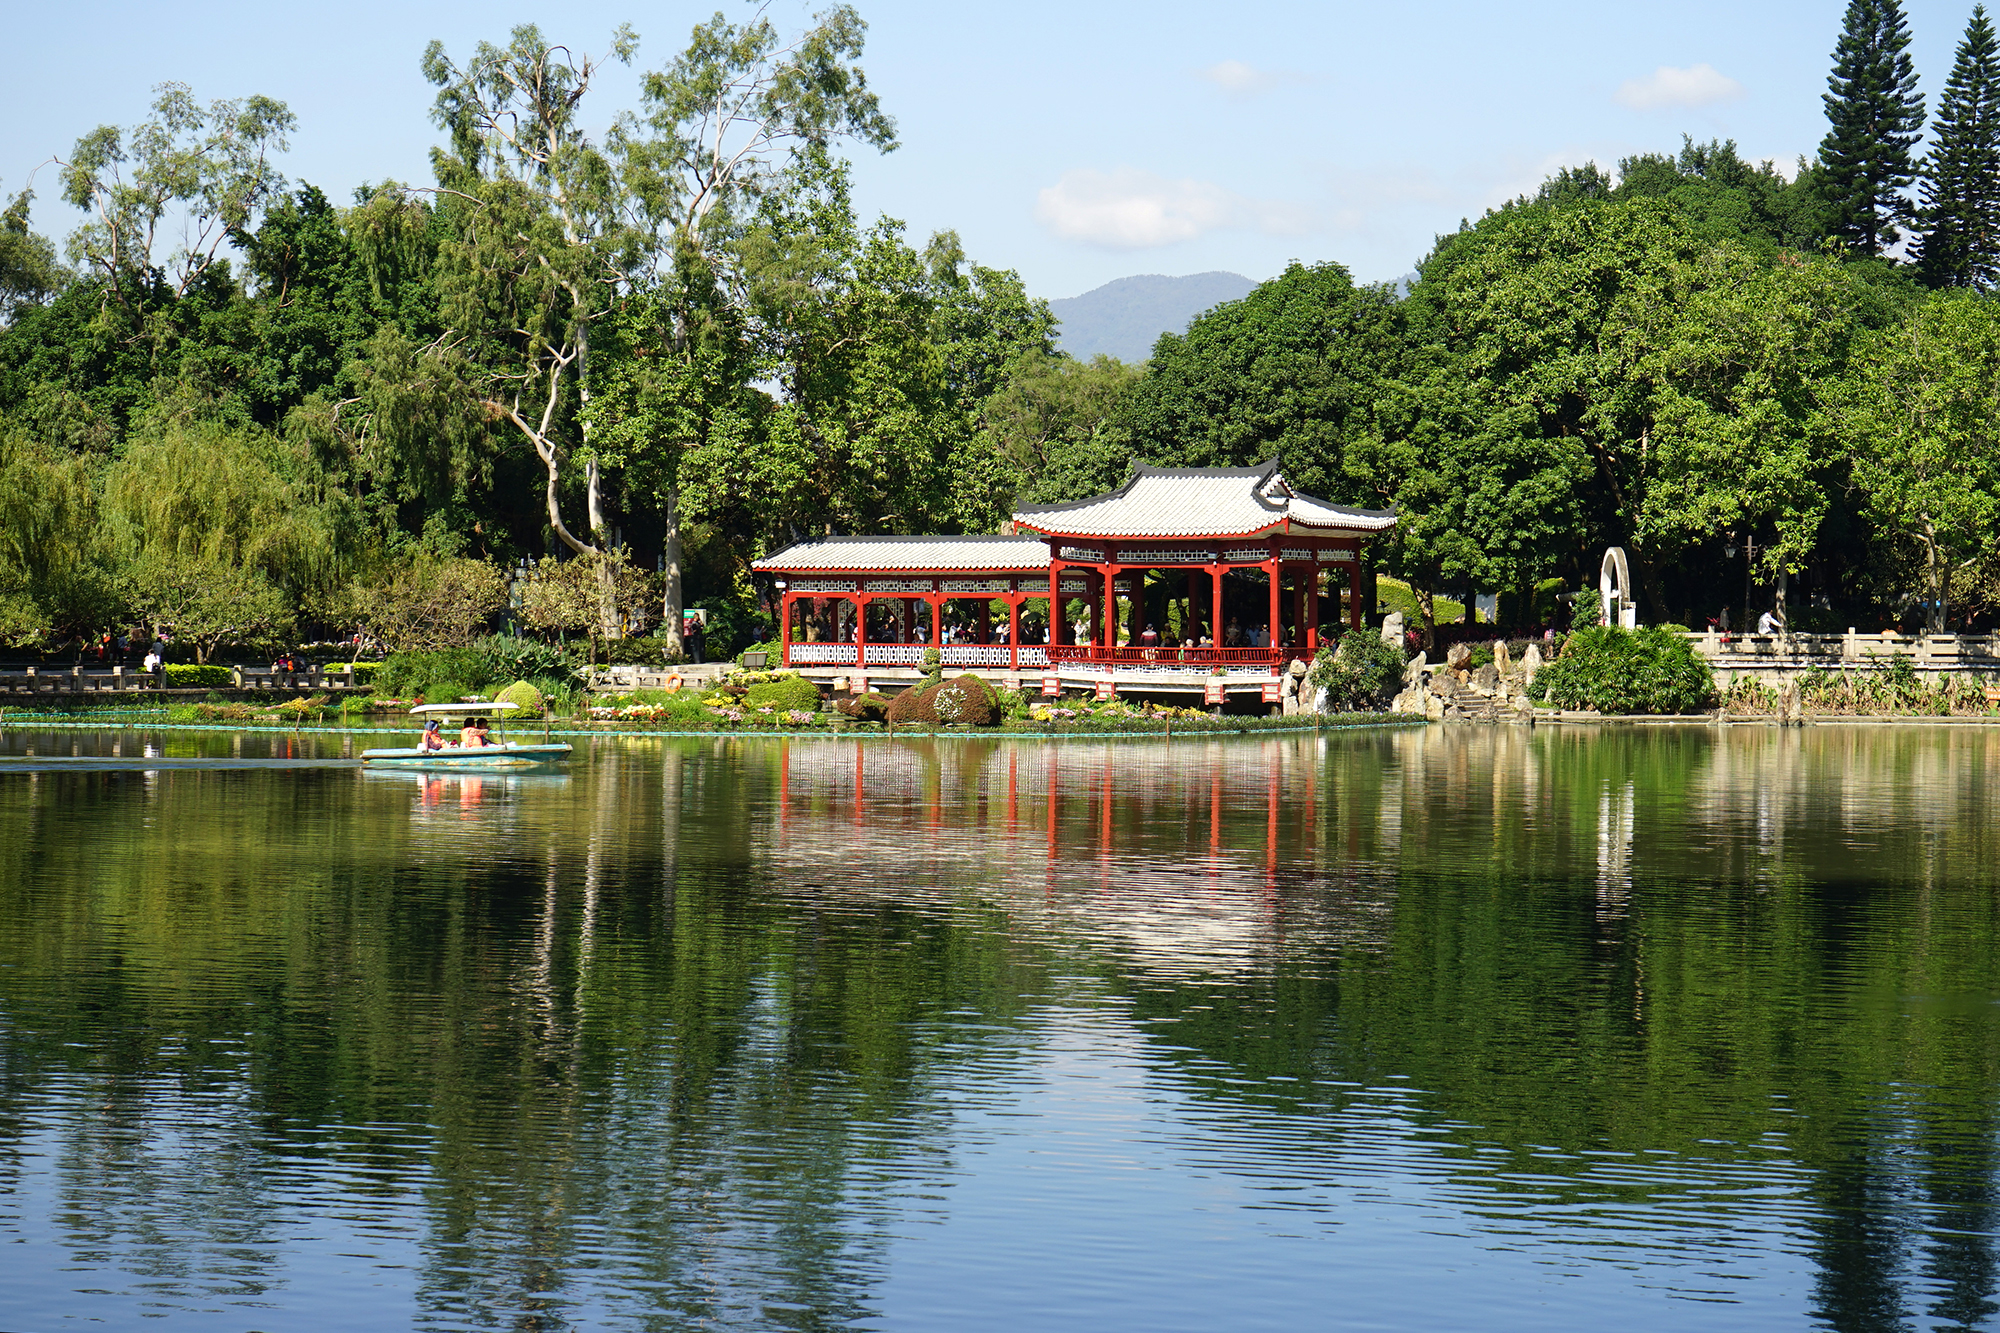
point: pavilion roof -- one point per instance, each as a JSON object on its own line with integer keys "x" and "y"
{"x": 937, "y": 555}
{"x": 1202, "y": 502}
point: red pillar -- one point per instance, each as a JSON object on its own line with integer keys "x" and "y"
{"x": 1215, "y": 605}
{"x": 1301, "y": 575}
{"x": 1274, "y": 569}
{"x": 1312, "y": 609}
{"x": 1110, "y": 636}
{"x": 1055, "y": 606}
{"x": 1014, "y": 630}
{"x": 785, "y": 625}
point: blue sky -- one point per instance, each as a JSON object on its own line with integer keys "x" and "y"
{"x": 1076, "y": 142}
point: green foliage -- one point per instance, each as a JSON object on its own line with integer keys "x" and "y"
{"x": 1586, "y": 609}
{"x": 1295, "y": 370}
{"x": 466, "y": 670}
{"x": 641, "y": 651}
{"x": 194, "y": 676}
{"x": 1961, "y": 190}
{"x": 1626, "y": 671}
{"x": 787, "y": 693}
{"x": 1876, "y": 116}
{"x": 1360, "y": 671}
{"x": 916, "y": 705}
{"x": 522, "y": 694}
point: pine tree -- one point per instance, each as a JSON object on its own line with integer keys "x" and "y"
{"x": 1961, "y": 209}
{"x": 1877, "y": 116}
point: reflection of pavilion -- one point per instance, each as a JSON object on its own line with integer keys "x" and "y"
{"x": 1185, "y": 855}
{"x": 1231, "y": 556}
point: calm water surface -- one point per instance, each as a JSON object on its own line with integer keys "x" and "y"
{"x": 1467, "y": 1028}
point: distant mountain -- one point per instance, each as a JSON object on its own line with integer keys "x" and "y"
{"x": 1124, "y": 318}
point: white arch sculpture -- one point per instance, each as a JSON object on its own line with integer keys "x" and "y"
{"x": 1614, "y": 588}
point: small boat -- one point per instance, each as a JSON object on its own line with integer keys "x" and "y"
{"x": 504, "y": 755}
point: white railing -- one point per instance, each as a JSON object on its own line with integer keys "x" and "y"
{"x": 1034, "y": 654}
{"x": 895, "y": 654}
{"x": 975, "y": 654}
{"x": 841, "y": 654}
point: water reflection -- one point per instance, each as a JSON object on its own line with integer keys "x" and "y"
{"x": 1466, "y": 1025}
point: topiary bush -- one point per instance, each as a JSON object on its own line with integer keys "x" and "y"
{"x": 966, "y": 699}
{"x": 525, "y": 696}
{"x": 788, "y": 692}
{"x": 916, "y": 704}
{"x": 865, "y": 707}
{"x": 1626, "y": 671}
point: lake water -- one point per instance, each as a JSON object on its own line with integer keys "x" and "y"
{"x": 1447, "y": 1028}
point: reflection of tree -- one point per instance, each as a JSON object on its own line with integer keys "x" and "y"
{"x": 659, "y": 1037}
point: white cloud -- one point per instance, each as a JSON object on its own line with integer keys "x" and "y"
{"x": 1241, "y": 80}
{"x": 1697, "y": 85}
{"x": 1129, "y": 209}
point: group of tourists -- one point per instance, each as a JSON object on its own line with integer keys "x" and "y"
{"x": 472, "y": 736}
{"x": 112, "y": 649}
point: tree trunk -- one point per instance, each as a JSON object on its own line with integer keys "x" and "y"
{"x": 1426, "y": 608}
{"x": 670, "y": 605}
{"x": 607, "y": 585}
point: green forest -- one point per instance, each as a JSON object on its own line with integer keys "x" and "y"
{"x": 615, "y": 367}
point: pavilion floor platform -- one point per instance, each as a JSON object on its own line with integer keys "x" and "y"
{"x": 1179, "y": 685}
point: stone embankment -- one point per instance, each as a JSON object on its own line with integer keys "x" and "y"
{"x": 1454, "y": 690}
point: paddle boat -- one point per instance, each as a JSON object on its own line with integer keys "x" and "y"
{"x": 504, "y": 754}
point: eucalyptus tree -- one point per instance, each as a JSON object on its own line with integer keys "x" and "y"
{"x": 546, "y": 234}
{"x": 555, "y": 230}
{"x": 737, "y": 115}
{"x": 204, "y": 172}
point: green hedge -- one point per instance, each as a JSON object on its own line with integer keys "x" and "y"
{"x": 188, "y": 676}
{"x": 1626, "y": 671}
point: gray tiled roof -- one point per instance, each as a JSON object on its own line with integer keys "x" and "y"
{"x": 1201, "y": 502}
{"x": 943, "y": 555}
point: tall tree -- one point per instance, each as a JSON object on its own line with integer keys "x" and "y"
{"x": 1961, "y": 209}
{"x": 730, "y": 121}
{"x": 1877, "y": 116}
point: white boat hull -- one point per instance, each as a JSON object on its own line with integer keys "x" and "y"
{"x": 483, "y": 757}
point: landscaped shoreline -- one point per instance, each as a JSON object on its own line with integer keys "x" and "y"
{"x": 1137, "y": 727}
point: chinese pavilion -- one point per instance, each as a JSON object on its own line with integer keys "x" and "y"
{"x": 1246, "y": 561}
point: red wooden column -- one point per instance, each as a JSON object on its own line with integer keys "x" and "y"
{"x": 860, "y": 601}
{"x": 1273, "y": 568}
{"x": 1014, "y": 626}
{"x": 786, "y": 603}
{"x": 1215, "y": 606}
{"x": 1312, "y": 608}
{"x": 1056, "y": 628}
{"x": 936, "y": 603}
{"x": 1110, "y": 635}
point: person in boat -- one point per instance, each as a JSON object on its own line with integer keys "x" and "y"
{"x": 471, "y": 736}
{"x": 433, "y": 738}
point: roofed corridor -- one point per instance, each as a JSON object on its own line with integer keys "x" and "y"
{"x": 1180, "y": 569}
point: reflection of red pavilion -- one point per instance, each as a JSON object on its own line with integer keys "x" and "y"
{"x": 1225, "y": 543}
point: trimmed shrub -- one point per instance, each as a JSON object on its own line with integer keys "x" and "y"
{"x": 966, "y": 699}
{"x": 189, "y": 676}
{"x": 916, "y": 704}
{"x": 648, "y": 651}
{"x": 865, "y": 707}
{"x": 787, "y": 692}
{"x": 523, "y": 694}
{"x": 1626, "y": 671}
